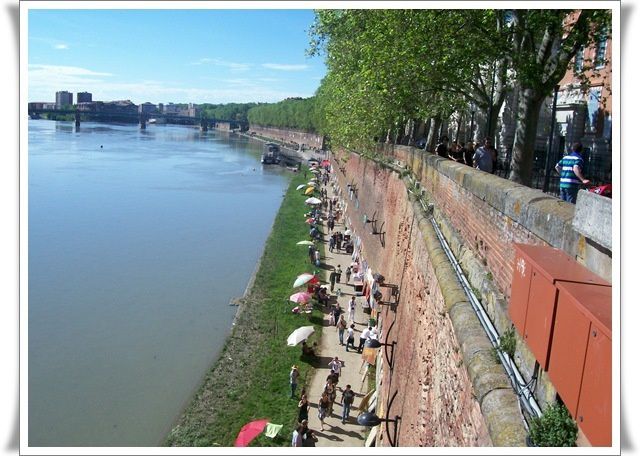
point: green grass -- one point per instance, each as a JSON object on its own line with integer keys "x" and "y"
{"x": 251, "y": 378}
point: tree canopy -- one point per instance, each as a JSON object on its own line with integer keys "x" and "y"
{"x": 230, "y": 111}
{"x": 298, "y": 113}
{"x": 388, "y": 66}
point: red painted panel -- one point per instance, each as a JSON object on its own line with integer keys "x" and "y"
{"x": 594, "y": 406}
{"x": 540, "y": 317}
{"x": 568, "y": 350}
{"x": 520, "y": 292}
{"x": 556, "y": 265}
{"x": 594, "y": 301}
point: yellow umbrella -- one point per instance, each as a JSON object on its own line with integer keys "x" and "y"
{"x": 309, "y": 191}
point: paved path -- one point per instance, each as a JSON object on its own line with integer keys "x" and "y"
{"x": 335, "y": 433}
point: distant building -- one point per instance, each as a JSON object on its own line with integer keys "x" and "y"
{"x": 88, "y": 106}
{"x": 147, "y": 108}
{"x": 37, "y": 105}
{"x": 109, "y": 107}
{"x": 63, "y": 98}
{"x": 119, "y": 107}
{"x": 585, "y": 109}
{"x": 192, "y": 111}
{"x": 83, "y": 97}
{"x": 171, "y": 108}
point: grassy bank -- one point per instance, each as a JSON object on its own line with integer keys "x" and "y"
{"x": 250, "y": 380}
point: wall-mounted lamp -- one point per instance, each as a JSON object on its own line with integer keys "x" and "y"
{"x": 371, "y": 419}
{"x": 375, "y": 343}
{"x": 372, "y": 219}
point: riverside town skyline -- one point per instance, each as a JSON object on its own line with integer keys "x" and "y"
{"x": 183, "y": 56}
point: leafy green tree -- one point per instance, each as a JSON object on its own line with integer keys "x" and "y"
{"x": 389, "y": 67}
{"x": 543, "y": 44}
{"x": 393, "y": 66}
{"x": 298, "y": 113}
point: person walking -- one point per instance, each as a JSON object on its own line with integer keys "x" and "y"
{"x": 309, "y": 439}
{"x": 350, "y": 337}
{"x": 296, "y": 439}
{"x": 332, "y": 279}
{"x": 348, "y": 395}
{"x": 323, "y": 408}
{"x": 342, "y": 325}
{"x": 303, "y": 409}
{"x": 483, "y": 158}
{"x": 332, "y": 243}
{"x": 351, "y": 307}
{"x": 570, "y": 170}
{"x": 364, "y": 336}
{"x": 317, "y": 258}
{"x": 336, "y": 313}
{"x": 293, "y": 379}
{"x": 330, "y": 389}
{"x": 336, "y": 365}
{"x": 338, "y": 274}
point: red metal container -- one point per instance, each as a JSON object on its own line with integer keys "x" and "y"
{"x": 537, "y": 271}
{"x": 580, "y": 361}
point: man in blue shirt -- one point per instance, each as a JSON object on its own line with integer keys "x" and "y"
{"x": 571, "y": 178}
{"x": 484, "y": 157}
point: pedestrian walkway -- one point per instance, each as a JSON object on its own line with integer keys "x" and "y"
{"x": 335, "y": 433}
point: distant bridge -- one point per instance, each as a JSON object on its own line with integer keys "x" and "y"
{"x": 140, "y": 118}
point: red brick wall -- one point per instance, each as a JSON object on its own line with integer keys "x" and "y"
{"x": 490, "y": 233}
{"x": 311, "y": 140}
{"x": 434, "y": 394}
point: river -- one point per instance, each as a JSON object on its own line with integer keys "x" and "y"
{"x": 137, "y": 241}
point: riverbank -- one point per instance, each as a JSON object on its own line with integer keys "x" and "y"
{"x": 304, "y": 155}
{"x": 250, "y": 379}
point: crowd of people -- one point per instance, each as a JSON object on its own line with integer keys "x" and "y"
{"x": 485, "y": 158}
{"x": 329, "y": 212}
{"x": 482, "y": 156}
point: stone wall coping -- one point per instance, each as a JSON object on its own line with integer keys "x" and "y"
{"x": 543, "y": 215}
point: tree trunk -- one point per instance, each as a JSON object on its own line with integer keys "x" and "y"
{"x": 495, "y": 112}
{"x": 420, "y": 129}
{"x": 529, "y": 104}
{"x": 434, "y": 128}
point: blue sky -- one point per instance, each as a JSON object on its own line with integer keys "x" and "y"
{"x": 183, "y": 55}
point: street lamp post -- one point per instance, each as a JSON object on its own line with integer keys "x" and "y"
{"x": 493, "y": 85}
{"x": 473, "y": 116}
{"x": 547, "y": 161}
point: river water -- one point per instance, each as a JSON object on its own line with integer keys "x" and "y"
{"x": 137, "y": 242}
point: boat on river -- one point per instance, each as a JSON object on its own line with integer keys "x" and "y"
{"x": 270, "y": 154}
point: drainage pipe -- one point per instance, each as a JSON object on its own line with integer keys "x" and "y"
{"x": 519, "y": 385}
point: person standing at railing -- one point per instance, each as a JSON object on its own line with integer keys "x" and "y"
{"x": 571, "y": 177}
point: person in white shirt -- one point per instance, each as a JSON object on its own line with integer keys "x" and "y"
{"x": 335, "y": 365}
{"x": 352, "y": 310}
{"x": 350, "y": 337}
{"x": 364, "y": 336}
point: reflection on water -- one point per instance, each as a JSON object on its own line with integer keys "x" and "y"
{"x": 135, "y": 250}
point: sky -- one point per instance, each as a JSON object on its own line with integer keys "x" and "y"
{"x": 180, "y": 56}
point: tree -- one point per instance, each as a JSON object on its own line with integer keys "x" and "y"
{"x": 543, "y": 44}
{"x": 393, "y": 66}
